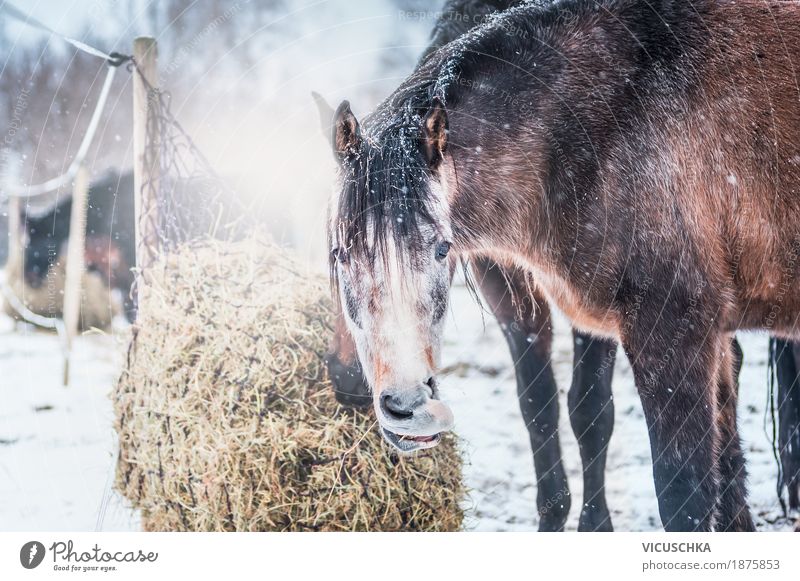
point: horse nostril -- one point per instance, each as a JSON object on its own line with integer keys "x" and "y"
{"x": 392, "y": 407}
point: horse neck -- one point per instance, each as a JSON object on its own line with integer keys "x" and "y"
{"x": 528, "y": 149}
{"x": 493, "y": 203}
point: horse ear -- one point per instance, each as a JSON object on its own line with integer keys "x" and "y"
{"x": 345, "y": 131}
{"x": 434, "y": 133}
{"x": 325, "y": 114}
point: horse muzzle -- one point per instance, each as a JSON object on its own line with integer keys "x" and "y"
{"x": 349, "y": 385}
{"x": 413, "y": 419}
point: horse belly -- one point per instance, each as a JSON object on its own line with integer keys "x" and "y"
{"x": 584, "y": 316}
{"x": 768, "y": 281}
{"x": 778, "y": 315}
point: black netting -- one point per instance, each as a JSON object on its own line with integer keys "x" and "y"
{"x": 187, "y": 200}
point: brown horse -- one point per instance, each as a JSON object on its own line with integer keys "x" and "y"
{"x": 524, "y": 317}
{"x": 641, "y": 158}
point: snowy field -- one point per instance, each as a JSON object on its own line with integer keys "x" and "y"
{"x": 57, "y": 444}
{"x": 500, "y": 470}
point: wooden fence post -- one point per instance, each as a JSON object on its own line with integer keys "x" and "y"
{"x": 146, "y": 164}
{"x": 73, "y": 278}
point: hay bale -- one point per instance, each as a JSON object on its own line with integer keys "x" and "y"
{"x": 227, "y": 422}
{"x": 97, "y": 307}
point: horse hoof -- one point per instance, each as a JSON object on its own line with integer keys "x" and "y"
{"x": 595, "y": 521}
{"x": 551, "y": 526}
{"x": 553, "y": 519}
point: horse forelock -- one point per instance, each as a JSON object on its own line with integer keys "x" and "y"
{"x": 385, "y": 186}
{"x": 385, "y": 197}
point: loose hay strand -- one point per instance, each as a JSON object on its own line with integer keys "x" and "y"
{"x": 227, "y": 421}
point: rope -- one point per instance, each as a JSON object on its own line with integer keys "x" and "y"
{"x": 55, "y": 183}
{"x": 170, "y": 214}
{"x": 114, "y": 60}
{"x": 26, "y": 314}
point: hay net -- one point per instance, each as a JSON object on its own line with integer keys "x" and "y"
{"x": 225, "y": 416}
{"x": 226, "y": 420}
{"x": 183, "y": 198}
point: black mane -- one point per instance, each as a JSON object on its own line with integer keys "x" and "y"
{"x": 385, "y": 192}
{"x": 385, "y": 184}
{"x": 385, "y": 189}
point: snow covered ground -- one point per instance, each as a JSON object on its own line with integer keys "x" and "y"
{"x": 500, "y": 470}
{"x": 57, "y": 444}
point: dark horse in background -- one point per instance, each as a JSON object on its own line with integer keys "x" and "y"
{"x": 641, "y": 159}
{"x": 514, "y": 304}
{"x": 110, "y": 238}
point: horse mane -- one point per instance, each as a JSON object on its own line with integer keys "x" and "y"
{"x": 385, "y": 191}
{"x": 385, "y": 194}
{"x": 460, "y": 16}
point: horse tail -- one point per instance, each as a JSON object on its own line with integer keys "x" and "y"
{"x": 784, "y": 363}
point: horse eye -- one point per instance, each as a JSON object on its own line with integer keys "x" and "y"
{"x": 441, "y": 250}
{"x": 339, "y": 255}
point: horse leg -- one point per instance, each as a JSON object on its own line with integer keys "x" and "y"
{"x": 591, "y": 413}
{"x": 675, "y": 375}
{"x": 525, "y": 320}
{"x": 732, "y": 512}
{"x": 787, "y": 364}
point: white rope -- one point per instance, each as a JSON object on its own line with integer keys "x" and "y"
{"x": 65, "y": 178}
{"x": 25, "y": 312}
{"x": 27, "y": 315}
{"x": 18, "y": 14}
{"x": 114, "y": 60}
{"x": 47, "y": 322}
